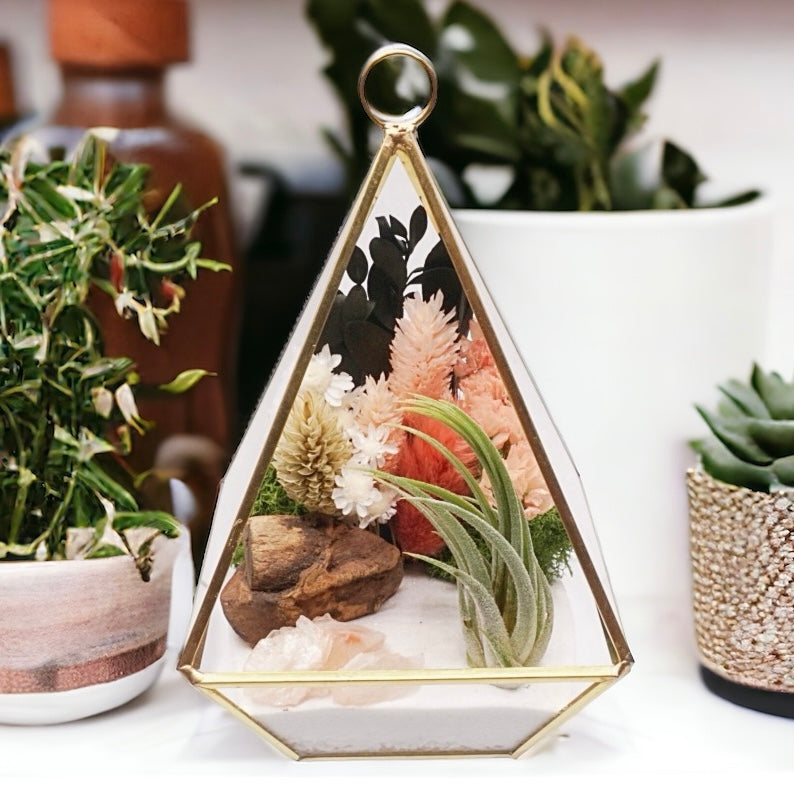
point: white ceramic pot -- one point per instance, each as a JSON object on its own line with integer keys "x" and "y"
{"x": 80, "y": 636}
{"x": 625, "y": 320}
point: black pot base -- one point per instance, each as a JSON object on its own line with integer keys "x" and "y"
{"x": 781, "y": 704}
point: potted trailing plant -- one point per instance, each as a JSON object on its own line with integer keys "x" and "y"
{"x": 84, "y": 571}
{"x": 601, "y": 258}
{"x": 742, "y": 543}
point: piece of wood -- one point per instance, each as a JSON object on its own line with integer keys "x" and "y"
{"x": 316, "y": 566}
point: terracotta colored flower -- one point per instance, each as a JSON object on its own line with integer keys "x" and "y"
{"x": 418, "y": 460}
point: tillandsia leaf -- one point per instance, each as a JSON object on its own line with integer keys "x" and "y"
{"x": 491, "y": 630}
{"x": 524, "y": 624}
{"x": 504, "y": 596}
{"x": 465, "y": 552}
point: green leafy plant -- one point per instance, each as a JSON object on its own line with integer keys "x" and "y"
{"x": 546, "y": 125}
{"x": 67, "y": 411}
{"x": 753, "y": 441}
{"x": 504, "y": 596}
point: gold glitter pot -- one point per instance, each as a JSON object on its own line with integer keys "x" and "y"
{"x": 742, "y": 546}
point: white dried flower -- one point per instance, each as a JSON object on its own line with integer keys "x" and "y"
{"x": 371, "y": 446}
{"x": 321, "y": 378}
{"x": 355, "y": 492}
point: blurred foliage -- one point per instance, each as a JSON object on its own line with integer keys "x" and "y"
{"x": 544, "y": 131}
{"x": 68, "y": 411}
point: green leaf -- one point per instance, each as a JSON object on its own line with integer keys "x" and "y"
{"x": 635, "y": 93}
{"x": 735, "y": 435}
{"x": 491, "y": 59}
{"x": 186, "y": 380}
{"x": 778, "y": 396}
{"x": 775, "y": 437}
{"x": 681, "y": 173}
{"x": 726, "y": 467}
{"x": 783, "y": 469}
{"x": 105, "y": 550}
{"x": 163, "y": 522}
{"x": 745, "y": 398}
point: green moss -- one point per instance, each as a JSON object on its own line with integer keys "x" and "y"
{"x": 552, "y": 546}
{"x": 272, "y": 499}
{"x": 549, "y": 538}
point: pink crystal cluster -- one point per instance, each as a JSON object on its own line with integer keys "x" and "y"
{"x": 326, "y": 644}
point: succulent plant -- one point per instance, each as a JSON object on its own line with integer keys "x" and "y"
{"x": 546, "y": 125}
{"x": 753, "y": 443}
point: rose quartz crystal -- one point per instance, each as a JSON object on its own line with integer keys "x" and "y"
{"x": 325, "y": 644}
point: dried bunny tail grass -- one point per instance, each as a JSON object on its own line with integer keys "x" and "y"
{"x": 424, "y": 349}
{"x": 311, "y": 451}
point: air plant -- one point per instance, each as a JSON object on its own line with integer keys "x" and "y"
{"x": 504, "y": 596}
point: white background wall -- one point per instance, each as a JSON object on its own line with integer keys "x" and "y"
{"x": 725, "y": 91}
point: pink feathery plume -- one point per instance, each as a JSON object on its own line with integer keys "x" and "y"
{"x": 424, "y": 349}
{"x": 419, "y": 460}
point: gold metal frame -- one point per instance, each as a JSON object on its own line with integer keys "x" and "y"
{"x": 400, "y": 142}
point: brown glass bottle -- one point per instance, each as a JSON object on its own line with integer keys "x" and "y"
{"x": 8, "y": 102}
{"x": 113, "y": 56}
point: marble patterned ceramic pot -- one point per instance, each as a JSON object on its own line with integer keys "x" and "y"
{"x": 80, "y": 636}
{"x": 742, "y": 545}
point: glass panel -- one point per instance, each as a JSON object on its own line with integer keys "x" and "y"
{"x": 428, "y": 720}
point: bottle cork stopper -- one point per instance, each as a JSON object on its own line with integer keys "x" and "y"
{"x": 119, "y": 34}
{"x": 8, "y": 104}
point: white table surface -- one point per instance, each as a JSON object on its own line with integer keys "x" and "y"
{"x": 658, "y": 722}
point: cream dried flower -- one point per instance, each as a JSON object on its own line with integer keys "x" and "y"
{"x": 312, "y": 450}
{"x": 424, "y": 349}
{"x": 321, "y": 378}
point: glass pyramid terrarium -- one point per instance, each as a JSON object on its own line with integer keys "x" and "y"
{"x": 402, "y": 561}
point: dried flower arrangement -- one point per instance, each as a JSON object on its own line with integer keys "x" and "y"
{"x": 403, "y": 426}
